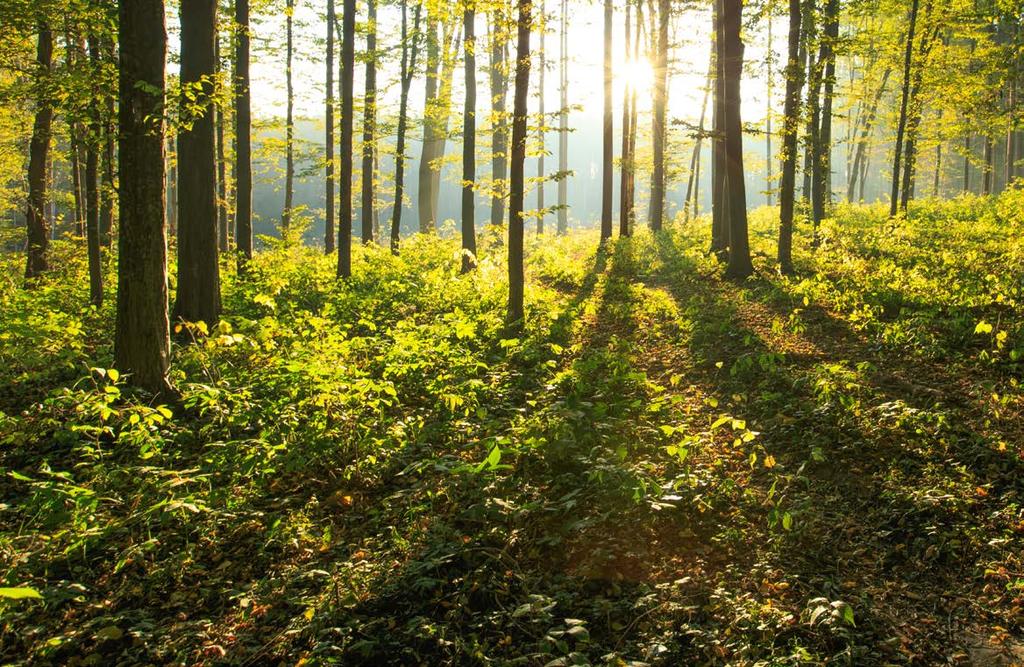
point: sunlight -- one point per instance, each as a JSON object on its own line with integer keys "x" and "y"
{"x": 636, "y": 73}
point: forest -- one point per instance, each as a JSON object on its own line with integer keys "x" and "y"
{"x": 438, "y": 332}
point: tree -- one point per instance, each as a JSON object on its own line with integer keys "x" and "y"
{"x": 719, "y": 209}
{"x": 469, "y": 141}
{"x": 142, "y": 332}
{"x": 542, "y": 123}
{"x": 408, "y": 68}
{"x": 736, "y": 197}
{"x": 198, "y": 294}
{"x": 790, "y": 127}
{"x": 625, "y": 193}
{"x": 499, "y": 122}
{"x": 289, "y": 121}
{"x": 608, "y": 147}
{"x": 243, "y": 137}
{"x": 821, "y": 140}
{"x": 515, "y": 313}
{"x": 348, "y": 58}
{"x": 329, "y": 133}
{"x": 441, "y": 56}
{"x": 563, "y": 123}
{"x": 92, "y": 195}
{"x": 658, "y": 127}
{"x": 222, "y": 185}
{"x": 37, "y": 249}
{"x": 904, "y": 101}
{"x": 369, "y": 148}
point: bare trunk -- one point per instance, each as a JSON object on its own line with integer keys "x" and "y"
{"x": 659, "y": 129}
{"x": 243, "y": 138}
{"x": 904, "y": 101}
{"x": 289, "y": 123}
{"x": 37, "y": 248}
{"x": 607, "y": 170}
{"x": 469, "y": 143}
{"x": 625, "y": 204}
{"x": 860, "y": 154}
{"x": 515, "y": 313}
{"x": 369, "y": 125}
{"x": 563, "y": 124}
{"x": 92, "y": 194}
{"x": 499, "y": 133}
{"x": 408, "y": 68}
{"x": 732, "y": 56}
{"x": 541, "y": 131}
{"x": 790, "y": 128}
{"x": 329, "y": 133}
{"x": 348, "y": 63}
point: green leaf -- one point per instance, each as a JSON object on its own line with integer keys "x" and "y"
{"x": 787, "y": 521}
{"x": 983, "y": 328}
{"x": 19, "y": 593}
{"x": 113, "y": 374}
{"x": 494, "y": 457}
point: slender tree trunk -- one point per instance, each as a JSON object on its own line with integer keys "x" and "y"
{"x": 607, "y": 170}
{"x": 987, "y": 181}
{"x": 631, "y": 181}
{"x": 348, "y": 63}
{"x": 938, "y": 170}
{"x": 732, "y": 56}
{"x": 769, "y": 158}
{"x": 222, "y": 192}
{"x": 541, "y": 130}
{"x": 719, "y": 209}
{"x": 860, "y": 154}
{"x": 198, "y": 294}
{"x": 659, "y": 130}
{"x": 499, "y": 94}
{"x": 243, "y": 137}
{"x": 92, "y": 194}
{"x": 790, "y": 128}
{"x": 408, "y": 68}
{"x": 515, "y": 313}
{"x": 72, "y": 54}
{"x": 469, "y": 142}
{"x": 172, "y": 185}
{"x": 563, "y": 124}
{"x": 141, "y": 332}
{"x": 329, "y": 132}
{"x": 369, "y": 124}
{"x": 625, "y": 205}
{"x": 693, "y": 182}
{"x": 107, "y": 191}
{"x": 967, "y": 163}
{"x": 37, "y": 249}
{"x": 904, "y": 101}
{"x": 289, "y": 122}
{"x": 821, "y": 195}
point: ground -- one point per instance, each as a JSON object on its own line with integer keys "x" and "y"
{"x": 662, "y": 467}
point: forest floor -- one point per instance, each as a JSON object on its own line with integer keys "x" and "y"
{"x": 663, "y": 468}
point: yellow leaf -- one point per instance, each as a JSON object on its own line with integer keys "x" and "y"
{"x": 769, "y": 461}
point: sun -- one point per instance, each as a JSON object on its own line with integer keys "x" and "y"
{"x": 637, "y": 74}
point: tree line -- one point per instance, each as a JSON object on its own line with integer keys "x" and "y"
{"x": 895, "y": 79}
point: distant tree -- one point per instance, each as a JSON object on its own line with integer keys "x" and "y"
{"x": 469, "y": 141}
{"x": 499, "y": 38}
{"x": 289, "y": 120}
{"x": 329, "y": 132}
{"x": 92, "y": 193}
{"x": 243, "y": 136}
{"x": 410, "y": 46}
{"x": 904, "y": 102}
{"x": 369, "y": 147}
{"x": 141, "y": 331}
{"x": 659, "y": 129}
{"x": 37, "y": 260}
{"x": 608, "y": 151}
{"x": 790, "y": 127}
{"x": 563, "y": 122}
{"x": 348, "y": 58}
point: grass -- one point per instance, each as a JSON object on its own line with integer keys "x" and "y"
{"x": 665, "y": 467}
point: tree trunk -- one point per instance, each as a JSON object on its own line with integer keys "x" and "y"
{"x": 608, "y": 150}
{"x": 967, "y": 163}
{"x": 198, "y": 293}
{"x": 92, "y": 194}
{"x": 222, "y": 186}
{"x": 987, "y": 181}
{"x": 515, "y": 313}
{"x": 658, "y": 119}
{"x": 625, "y": 205}
{"x": 904, "y": 101}
{"x": 542, "y": 126}
{"x": 348, "y": 61}
{"x": 329, "y": 132}
{"x": 769, "y": 159}
{"x": 107, "y": 191}
{"x": 790, "y": 128}
{"x": 141, "y": 332}
{"x": 289, "y": 122}
{"x": 719, "y": 210}
{"x": 408, "y": 68}
{"x": 821, "y": 166}
{"x": 563, "y": 123}
{"x": 938, "y": 170}
{"x": 243, "y": 138}
{"x": 469, "y": 142}
{"x": 860, "y": 154}
{"x": 499, "y": 94}
{"x": 369, "y": 124}
{"x": 732, "y": 56}
{"x": 37, "y": 249}
{"x": 426, "y": 207}
{"x": 693, "y": 182}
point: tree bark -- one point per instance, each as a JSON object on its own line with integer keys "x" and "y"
{"x": 719, "y": 209}
{"x": 141, "y": 332}
{"x": 369, "y": 124}
{"x": 608, "y": 150}
{"x": 860, "y": 154}
{"x": 563, "y": 124}
{"x": 107, "y": 191}
{"x": 790, "y": 128}
{"x": 732, "y": 56}
{"x": 499, "y": 94}
{"x": 469, "y": 142}
{"x": 693, "y": 181}
{"x": 542, "y": 126}
{"x": 38, "y": 246}
{"x": 243, "y": 138}
{"x": 198, "y": 293}
{"x": 222, "y": 186}
{"x": 92, "y": 194}
{"x": 515, "y": 313}
{"x": 348, "y": 60}
{"x": 659, "y": 130}
{"x": 625, "y": 205}
{"x": 967, "y": 163}
{"x": 289, "y": 122}
{"x": 821, "y": 166}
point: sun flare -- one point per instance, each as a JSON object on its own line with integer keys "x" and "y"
{"x": 636, "y": 74}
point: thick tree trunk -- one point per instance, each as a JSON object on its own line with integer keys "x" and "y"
{"x": 329, "y": 132}
{"x": 515, "y": 313}
{"x": 37, "y": 249}
{"x": 659, "y": 129}
{"x": 499, "y": 95}
{"x": 904, "y": 101}
{"x": 563, "y": 123}
{"x": 92, "y": 194}
{"x": 348, "y": 63}
{"x": 408, "y": 68}
{"x": 141, "y": 332}
{"x": 790, "y": 128}
{"x": 732, "y": 56}
{"x": 198, "y": 294}
{"x": 369, "y": 124}
{"x": 607, "y": 170}
{"x": 469, "y": 142}
{"x": 243, "y": 138}
{"x": 289, "y": 122}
